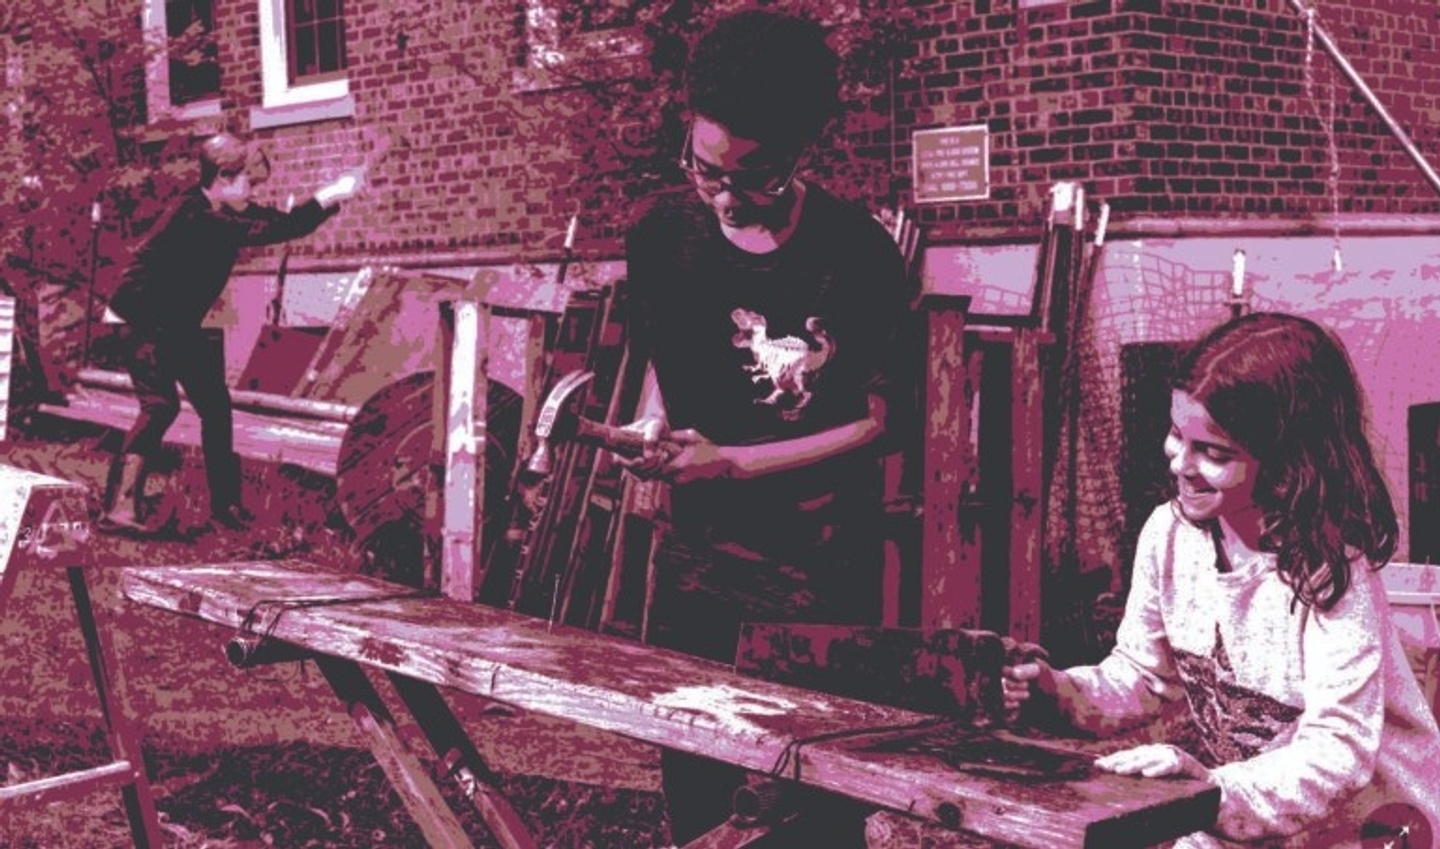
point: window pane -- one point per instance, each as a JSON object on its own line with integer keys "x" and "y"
{"x": 192, "y": 52}
{"x": 328, "y": 41}
{"x": 317, "y": 37}
{"x": 304, "y": 52}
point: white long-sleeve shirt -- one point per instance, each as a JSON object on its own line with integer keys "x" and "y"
{"x": 1310, "y": 721}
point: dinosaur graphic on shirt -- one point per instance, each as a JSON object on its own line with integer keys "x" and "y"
{"x": 1234, "y": 723}
{"x": 788, "y": 363}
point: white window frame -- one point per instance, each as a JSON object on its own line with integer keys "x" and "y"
{"x": 158, "y": 106}
{"x": 275, "y": 66}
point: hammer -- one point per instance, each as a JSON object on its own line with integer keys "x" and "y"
{"x": 559, "y": 421}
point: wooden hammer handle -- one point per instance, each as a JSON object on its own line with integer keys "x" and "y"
{"x": 626, "y": 443}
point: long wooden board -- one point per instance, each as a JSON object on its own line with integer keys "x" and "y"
{"x": 919, "y": 764}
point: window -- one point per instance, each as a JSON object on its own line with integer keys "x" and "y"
{"x": 182, "y": 69}
{"x": 194, "y": 57}
{"x": 303, "y": 62}
{"x": 316, "y": 38}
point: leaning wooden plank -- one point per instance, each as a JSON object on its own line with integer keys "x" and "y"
{"x": 994, "y": 784}
{"x": 390, "y": 333}
{"x": 57, "y": 788}
{"x": 7, "y": 344}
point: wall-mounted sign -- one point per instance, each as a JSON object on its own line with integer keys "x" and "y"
{"x": 951, "y": 163}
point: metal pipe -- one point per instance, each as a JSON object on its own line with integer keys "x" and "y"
{"x": 328, "y": 411}
{"x": 762, "y": 801}
{"x": 1350, "y": 73}
{"x": 247, "y": 651}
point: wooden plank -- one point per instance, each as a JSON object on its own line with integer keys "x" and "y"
{"x": 407, "y": 775}
{"x": 355, "y": 291}
{"x": 947, "y": 671}
{"x": 7, "y": 345}
{"x": 464, "y": 446}
{"x": 1027, "y": 428}
{"x": 882, "y": 755}
{"x": 391, "y": 333}
{"x": 56, "y": 788}
{"x": 730, "y": 835}
{"x": 949, "y": 550}
{"x": 462, "y": 761}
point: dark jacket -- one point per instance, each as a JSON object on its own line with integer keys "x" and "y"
{"x": 179, "y": 271}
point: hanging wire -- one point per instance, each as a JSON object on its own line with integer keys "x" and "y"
{"x": 1327, "y": 123}
{"x": 1336, "y": 262}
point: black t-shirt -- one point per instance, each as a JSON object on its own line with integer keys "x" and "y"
{"x": 750, "y": 348}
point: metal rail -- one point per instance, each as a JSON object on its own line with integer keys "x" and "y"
{"x": 242, "y": 399}
{"x": 1355, "y": 79}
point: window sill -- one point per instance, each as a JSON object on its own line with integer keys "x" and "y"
{"x": 189, "y": 112}
{"x": 262, "y": 117}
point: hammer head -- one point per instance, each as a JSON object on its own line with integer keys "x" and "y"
{"x": 556, "y": 416}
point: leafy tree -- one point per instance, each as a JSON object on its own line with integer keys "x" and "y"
{"x": 71, "y": 98}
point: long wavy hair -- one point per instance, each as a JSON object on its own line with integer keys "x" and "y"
{"x": 1284, "y": 388}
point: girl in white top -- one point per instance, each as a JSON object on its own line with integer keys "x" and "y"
{"x": 1256, "y": 597}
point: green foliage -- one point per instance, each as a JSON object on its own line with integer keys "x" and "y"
{"x": 71, "y": 92}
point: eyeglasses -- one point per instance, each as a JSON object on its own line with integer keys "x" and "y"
{"x": 769, "y": 181}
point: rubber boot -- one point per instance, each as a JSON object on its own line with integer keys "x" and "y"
{"x": 226, "y": 509}
{"x": 123, "y": 495}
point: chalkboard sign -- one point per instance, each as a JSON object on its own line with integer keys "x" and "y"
{"x": 951, "y": 163}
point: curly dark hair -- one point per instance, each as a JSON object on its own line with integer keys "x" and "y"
{"x": 765, "y": 76}
{"x": 1284, "y": 388}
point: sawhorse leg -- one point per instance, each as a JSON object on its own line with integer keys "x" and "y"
{"x": 127, "y": 767}
{"x": 462, "y": 760}
{"x": 139, "y": 802}
{"x": 407, "y": 775}
{"x": 772, "y": 814}
{"x": 731, "y": 836}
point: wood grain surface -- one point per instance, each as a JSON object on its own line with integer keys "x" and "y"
{"x": 997, "y": 785}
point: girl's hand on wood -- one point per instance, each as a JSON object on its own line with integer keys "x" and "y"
{"x": 1154, "y": 760}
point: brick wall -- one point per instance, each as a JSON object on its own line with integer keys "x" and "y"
{"x": 1163, "y": 108}
{"x": 1175, "y": 109}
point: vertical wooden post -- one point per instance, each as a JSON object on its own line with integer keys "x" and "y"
{"x": 7, "y": 348}
{"x": 539, "y": 328}
{"x": 464, "y": 447}
{"x": 1027, "y": 423}
{"x": 949, "y": 555}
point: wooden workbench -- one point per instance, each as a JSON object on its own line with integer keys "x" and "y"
{"x": 910, "y": 762}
